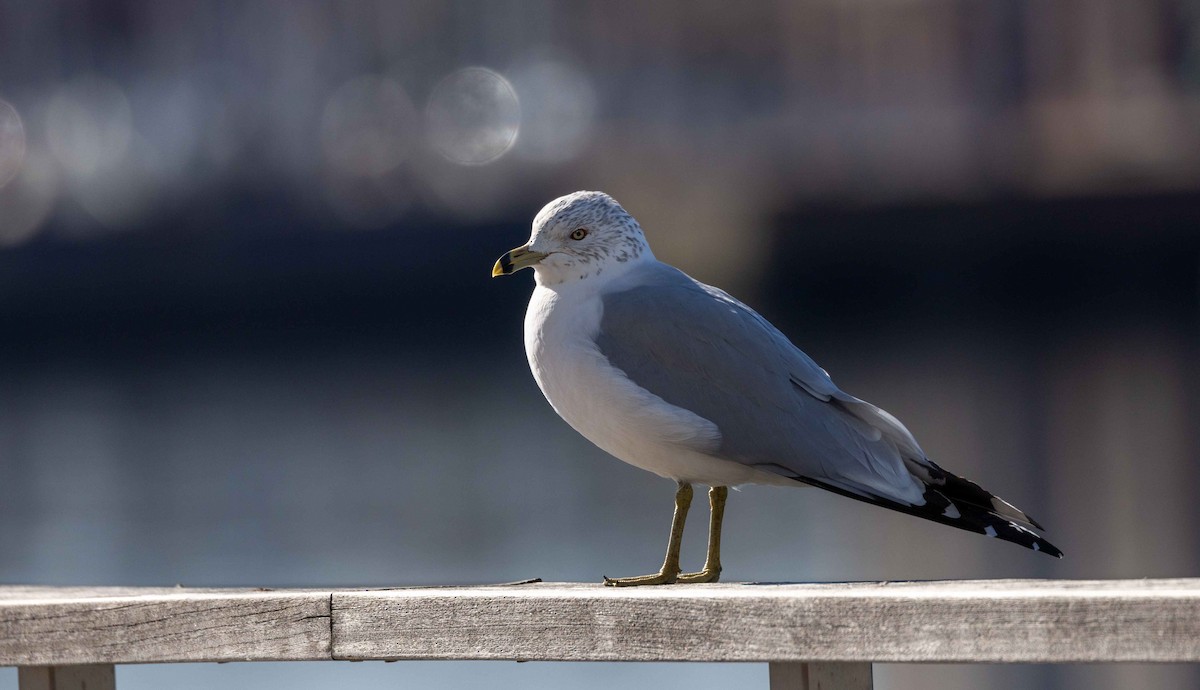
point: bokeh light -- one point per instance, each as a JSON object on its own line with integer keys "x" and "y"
{"x": 89, "y": 125}
{"x": 128, "y": 191}
{"x": 368, "y": 126}
{"x": 558, "y": 110}
{"x": 12, "y": 143}
{"x": 28, "y": 199}
{"x": 473, "y": 116}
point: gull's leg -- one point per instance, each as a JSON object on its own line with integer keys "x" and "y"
{"x": 670, "y": 567}
{"x": 712, "y": 562}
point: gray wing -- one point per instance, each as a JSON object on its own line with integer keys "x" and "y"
{"x": 700, "y": 349}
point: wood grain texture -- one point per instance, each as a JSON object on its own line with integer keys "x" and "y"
{"x": 961, "y": 621}
{"x": 49, "y": 626}
{"x": 982, "y": 621}
{"x": 85, "y": 677}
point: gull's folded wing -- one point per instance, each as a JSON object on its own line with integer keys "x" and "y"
{"x": 699, "y": 349}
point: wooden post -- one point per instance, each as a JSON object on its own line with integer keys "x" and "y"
{"x": 799, "y": 675}
{"x": 78, "y": 677}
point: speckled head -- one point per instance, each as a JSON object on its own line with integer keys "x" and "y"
{"x": 578, "y": 236}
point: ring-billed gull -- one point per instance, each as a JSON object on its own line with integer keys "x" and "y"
{"x": 678, "y": 378}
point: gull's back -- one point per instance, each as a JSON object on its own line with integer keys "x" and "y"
{"x": 697, "y": 348}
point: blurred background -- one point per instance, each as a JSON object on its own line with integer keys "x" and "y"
{"x": 248, "y": 335}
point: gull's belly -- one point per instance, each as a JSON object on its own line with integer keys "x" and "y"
{"x": 611, "y": 411}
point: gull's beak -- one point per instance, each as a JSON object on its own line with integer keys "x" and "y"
{"x": 521, "y": 257}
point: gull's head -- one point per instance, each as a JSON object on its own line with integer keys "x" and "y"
{"x": 579, "y": 236}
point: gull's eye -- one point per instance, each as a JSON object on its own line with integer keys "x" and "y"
{"x": 579, "y": 233}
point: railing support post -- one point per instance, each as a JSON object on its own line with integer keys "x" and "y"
{"x": 76, "y": 677}
{"x": 820, "y": 676}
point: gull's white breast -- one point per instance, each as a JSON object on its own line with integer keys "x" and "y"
{"x": 606, "y": 407}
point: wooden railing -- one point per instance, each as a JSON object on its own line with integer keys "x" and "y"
{"x": 812, "y": 635}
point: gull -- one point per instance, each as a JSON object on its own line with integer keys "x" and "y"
{"x": 679, "y": 378}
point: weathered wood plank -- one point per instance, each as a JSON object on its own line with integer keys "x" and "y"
{"x": 46, "y": 626}
{"x": 798, "y": 675}
{"x": 86, "y": 677}
{"x": 989, "y": 621}
{"x": 982, "y": 621}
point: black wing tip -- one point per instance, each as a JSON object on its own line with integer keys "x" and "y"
{"x": 961, "y": 490}
{"x": 964, "y": 516}
{"x": 972, "y": 518}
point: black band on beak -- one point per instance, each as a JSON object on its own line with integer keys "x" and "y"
{"x": 504, "y": 266}
{"x": 515, "y": 260}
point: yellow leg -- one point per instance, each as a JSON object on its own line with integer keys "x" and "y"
{"x": 712, "y": 562}
{"x": 670, "y": 567}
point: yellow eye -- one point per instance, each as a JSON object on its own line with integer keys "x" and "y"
{"x": 579, "y": 234}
